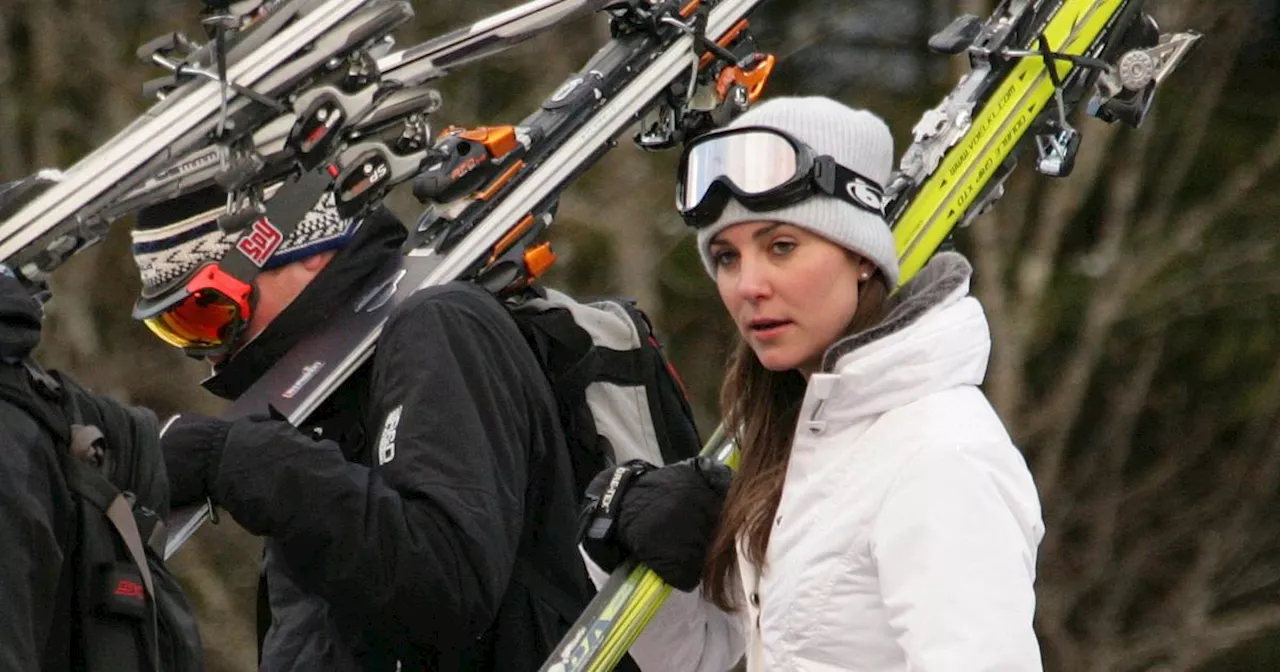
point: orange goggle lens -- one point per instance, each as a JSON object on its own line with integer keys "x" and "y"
{"x": 205, "y": 319}
{"x": 210, "y": 316}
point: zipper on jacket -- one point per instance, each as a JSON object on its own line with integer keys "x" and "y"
{"x": 821, "y": 387}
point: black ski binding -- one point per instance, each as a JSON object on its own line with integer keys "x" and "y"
{"x": 1125, "y": 92}
{"x": 730, "y": 75}
{"x": 957, "y": 37}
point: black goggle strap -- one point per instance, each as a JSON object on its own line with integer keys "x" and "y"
{"x": 262, "y": 236}
{"x": 849, "y": 186}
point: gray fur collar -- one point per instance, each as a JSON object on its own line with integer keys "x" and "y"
{"x": 931, "y": 286}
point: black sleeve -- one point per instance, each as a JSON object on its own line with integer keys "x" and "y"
{"x": 421, "y": 547}
{"x": 31, "y": 555}
{"x": 133, "y": 434}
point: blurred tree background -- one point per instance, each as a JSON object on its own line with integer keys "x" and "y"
{"x": 1133, "y": 305}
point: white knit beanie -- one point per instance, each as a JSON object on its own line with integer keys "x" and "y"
{"x": 857, "y": 140}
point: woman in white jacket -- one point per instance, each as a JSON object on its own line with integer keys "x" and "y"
{"x": 881, "y": 518}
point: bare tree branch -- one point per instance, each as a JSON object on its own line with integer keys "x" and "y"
{"x": 1061, "y": 649}
{"x": 1063, "y": 403}
{"x": 1014, "y": 313}
{"x": 1119, "y": 213}
{"x": 1061, "y": 206}
{"x": 47, "y": 73}
{"x": 1232, "y": 273}
{"x": 1232, "y": 25}
{"x": 1189, "y": 229}
{"x": 993, "y": 249}
{"x": 1110, "y": 453}
{"x": 1199, "y": 436}
{"x": 1254, "y": 494}
{"x": 1120, "y": 591}
{"x": 1191, "y": 649}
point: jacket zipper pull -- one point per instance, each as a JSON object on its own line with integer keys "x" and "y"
{"x": 821, "y": 387}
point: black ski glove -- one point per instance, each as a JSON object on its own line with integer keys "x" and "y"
{"x": 192, "y": 447}
{"x": 663, "y": 517}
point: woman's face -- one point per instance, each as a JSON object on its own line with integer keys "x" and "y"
{"x": 791, "y": 293}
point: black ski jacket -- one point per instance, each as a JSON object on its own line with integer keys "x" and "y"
{"x": 425, "y": 517}
{"x": 44, "y": 607}
{"x": 36, "y": 514}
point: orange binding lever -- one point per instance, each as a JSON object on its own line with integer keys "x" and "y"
{"x": 538, "y": 260}
{"x": 753, "y": 79}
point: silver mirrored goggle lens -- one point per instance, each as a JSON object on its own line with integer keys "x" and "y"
{"x": 754, "y": 161}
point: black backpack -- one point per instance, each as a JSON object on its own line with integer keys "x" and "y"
{"x": 128, "y": 612}
{"x": 618, "y": 395}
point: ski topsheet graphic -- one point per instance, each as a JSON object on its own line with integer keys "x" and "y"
{"x": 1031, "y": 62}
{"x": 677, "y": 68}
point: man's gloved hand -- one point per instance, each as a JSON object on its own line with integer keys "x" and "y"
{"x": 192, "y": 447}
{"x": 663, "y": 517}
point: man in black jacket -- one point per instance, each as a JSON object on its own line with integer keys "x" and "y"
{"x": 425, "y": 516}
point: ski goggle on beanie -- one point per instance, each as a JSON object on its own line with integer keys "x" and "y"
{"x": 811, "y": 162}
{"x": 198, "y": 280}
{"x": 764, "y": 169}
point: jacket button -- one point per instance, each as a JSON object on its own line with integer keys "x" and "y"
{"x": 755, "y": 599}
{"x": 778, "y": 520}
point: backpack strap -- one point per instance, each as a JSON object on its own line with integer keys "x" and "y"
{"x": 571, "y": 363}
{"x": 45, "y": 384}
{"x": 650, "y": 334}
{"x": 37, "y": 393}
{"x": 84, "y": 449}
{"x": 87, "y": 448}
{"x": 556, "y": 325}
{"x": 97, "y": 490}
{"x": 562, "y": 347}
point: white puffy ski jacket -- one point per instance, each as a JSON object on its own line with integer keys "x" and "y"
{"x": 907, "y": 532}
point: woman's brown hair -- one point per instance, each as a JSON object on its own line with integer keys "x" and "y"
{"x": 760, "y": 409}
